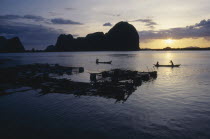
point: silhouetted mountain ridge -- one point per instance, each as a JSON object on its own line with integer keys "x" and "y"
{"x": 122, "y": 37}
{"x": 11, "y": 45}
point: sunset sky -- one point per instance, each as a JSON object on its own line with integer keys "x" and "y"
{"x": 160, "y": 23}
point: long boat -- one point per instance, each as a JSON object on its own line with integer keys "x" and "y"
{"x": 172, "y": 66}
{"x": 108, "y": 62}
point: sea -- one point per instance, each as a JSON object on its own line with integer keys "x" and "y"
{"x": 175, "y": 105}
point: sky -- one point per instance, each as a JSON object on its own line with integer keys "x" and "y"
{"x": 160, "y": 23}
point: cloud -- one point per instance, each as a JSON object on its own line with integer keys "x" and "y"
{"x": 14, "y": 17}
{"x": 37, "y": 36}
{"x": 54, "y": 13}
{"x": 10, "y": 17}
{"x": 201, "y": 29}
{"x": 34, "y": 17}
{"x": 39, "y": 19}
{"x": 148, "y": 22}
{"x": 107, "y": 24}
{"x": 203, "y": 23}
{"x": 111, "y": 14}
{"x": 64, "y": 21}
{"x": 69, "y": 9}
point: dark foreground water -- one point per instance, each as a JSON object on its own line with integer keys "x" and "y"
{"x": 175, "y": 105}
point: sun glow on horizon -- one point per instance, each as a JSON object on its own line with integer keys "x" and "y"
{"x": 169, "y": 41}
{"x": 177, "y": 43}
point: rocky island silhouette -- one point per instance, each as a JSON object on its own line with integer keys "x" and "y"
{"x": 11, "y": 45}
{"x": 122, "y": 37}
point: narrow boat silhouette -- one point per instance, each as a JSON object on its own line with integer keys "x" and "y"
{"x": 173, "y": 66}
{"x": 108, "y": 62}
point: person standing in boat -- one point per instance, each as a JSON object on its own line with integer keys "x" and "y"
{"x": 97, "y": 60}
{"x": 172, "y": 63}
{"x": 157, "y": 63}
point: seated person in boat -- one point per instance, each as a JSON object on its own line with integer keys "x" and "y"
{"x": 157, "y": 64}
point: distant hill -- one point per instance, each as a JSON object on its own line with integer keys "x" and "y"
{"x": 11, "y": 45}
{"x": 192, "y": 47}
{"x": 122, "y": 37}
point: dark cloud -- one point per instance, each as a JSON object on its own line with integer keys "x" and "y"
{"x": 39, "y": 19}
{"x": 107, "y": 24}
{"x": 64, "y": 21}
{"x": 34, "y": 17}
{"x": 14, "y": 17}
{"x": 148, "y": 22}
{"x": 32, "y": 36}
{"x": 203, "y": 23}
{"x": 9, "y": 17}
{"x": 201, "y": 29}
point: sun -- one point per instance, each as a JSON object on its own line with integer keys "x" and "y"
{"x": 169, "y": 41}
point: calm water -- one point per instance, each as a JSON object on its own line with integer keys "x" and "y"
{"x": 175, "y": 105}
